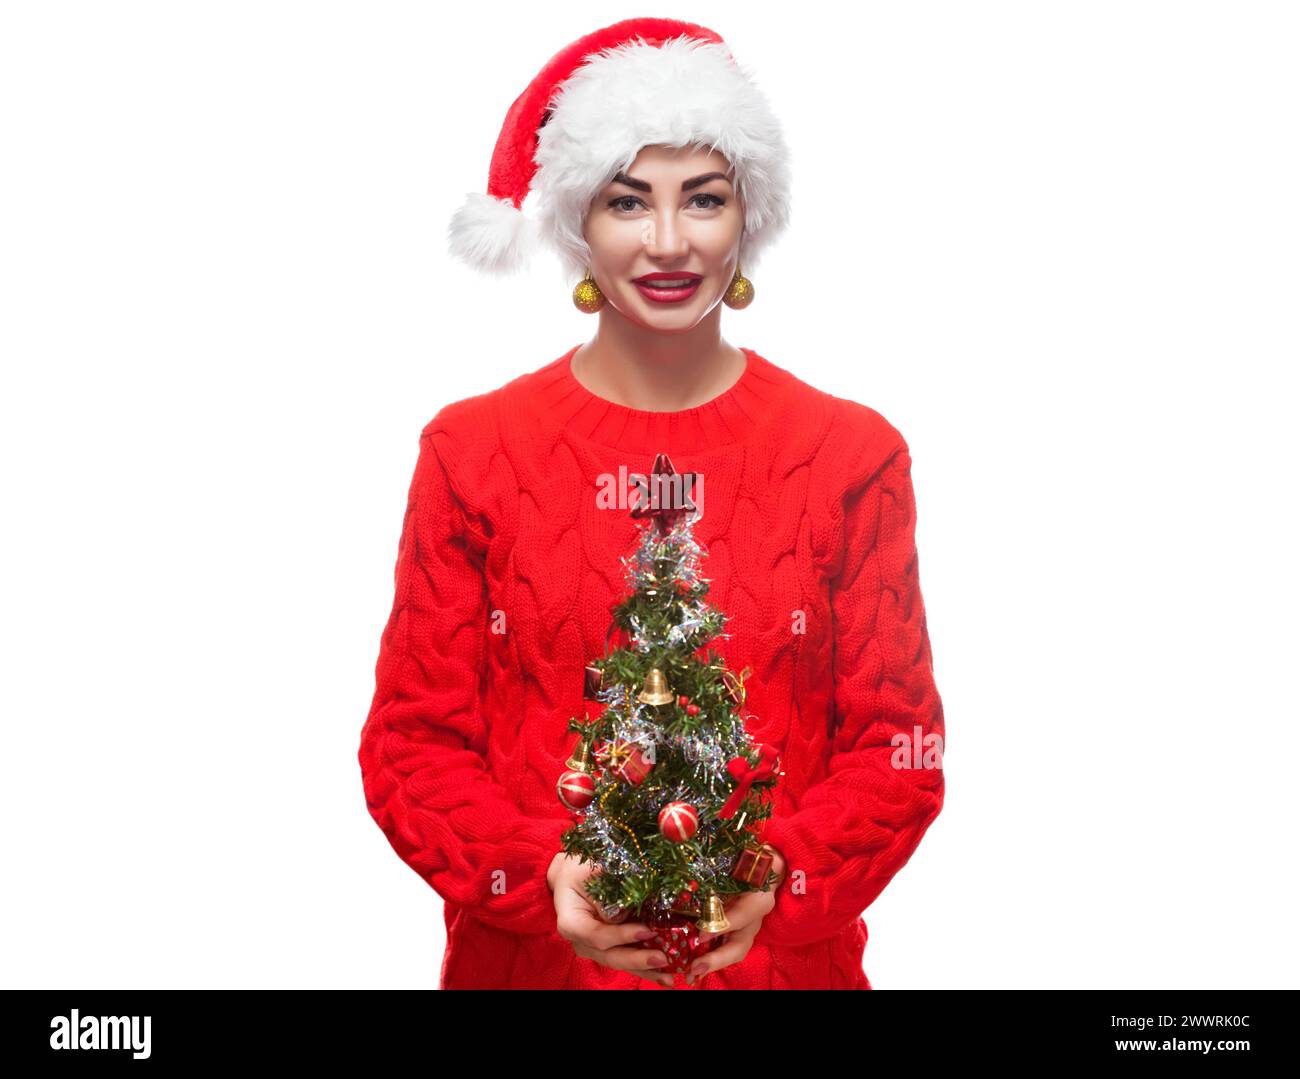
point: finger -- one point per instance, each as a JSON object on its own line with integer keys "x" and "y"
{"x": 570, "y": 902}
{"x": 732, "y": 950}
{"x": 744, "y": 911}
{"x": 779, "y": 868}
{"x": 576, "y": 914}
{"x": 585, "y": 926}
{"x": 604, "y": 935}
{"x": 664, "y": 980}
{"x": 632, "y": 960}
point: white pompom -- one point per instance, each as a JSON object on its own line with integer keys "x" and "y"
{"x": 492, "y": 235}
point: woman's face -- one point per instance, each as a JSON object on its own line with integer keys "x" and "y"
{"x": 674, "y": 213}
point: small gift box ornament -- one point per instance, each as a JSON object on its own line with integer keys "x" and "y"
{"x": 753, "y": 865}
{"x": 682, "y": 945}
{"x": 594, "y": 683}
{"x": 626, "y": 760}
{"x": 635, "y": 767}
{"x": 678, "y": 937}
{"x": 735, "y": 684}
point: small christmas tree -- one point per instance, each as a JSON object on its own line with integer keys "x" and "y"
{"x": 666, "y": 782}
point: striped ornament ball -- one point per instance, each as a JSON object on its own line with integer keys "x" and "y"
{"x": 678, "y": 821}
{"x": 576, "y": 790}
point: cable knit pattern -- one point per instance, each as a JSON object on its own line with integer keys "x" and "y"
{"x": 508, "y": 567}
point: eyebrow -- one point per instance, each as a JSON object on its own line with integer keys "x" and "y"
{"x": 687, "y": 185}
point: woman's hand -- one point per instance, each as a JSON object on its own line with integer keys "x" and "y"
{"x": 745, "y": 913}
{"x": 579, "y": 922}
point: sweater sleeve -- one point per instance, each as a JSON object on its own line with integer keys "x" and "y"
{"x": 856, "y": 828}
{"x": 422, "y": 748}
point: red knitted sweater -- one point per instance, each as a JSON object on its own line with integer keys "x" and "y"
{"x": 507, "y": 570}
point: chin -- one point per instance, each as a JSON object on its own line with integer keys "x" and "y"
{"x": 656, "y": 316}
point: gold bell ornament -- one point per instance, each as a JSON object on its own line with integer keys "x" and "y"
{"x": 587, "y": 295}
{"x": 740, "y": 293}
{"x": 655, "y": 690}
{"x": 715, "y": 917}
{"x": 581, "y": 759}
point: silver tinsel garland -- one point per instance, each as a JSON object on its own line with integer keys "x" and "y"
{"x": 633, "y": 722}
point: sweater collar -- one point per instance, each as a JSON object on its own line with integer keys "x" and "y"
{"x": 730, "y": 418}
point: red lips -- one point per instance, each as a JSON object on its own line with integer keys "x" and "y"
{"x": 652, "y": 289}
{"x": 663, "y": 275}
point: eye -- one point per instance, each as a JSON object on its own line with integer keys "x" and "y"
{"x": 628, "y": 203}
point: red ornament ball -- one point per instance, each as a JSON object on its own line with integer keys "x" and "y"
{"x": 576, "y": 790}
{"x": 678, "y": 821}
{"x": 683, "y": 700}
{"x": 692, "y": 709}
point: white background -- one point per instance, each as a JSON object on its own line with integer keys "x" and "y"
{"x": 1055, "y": 244}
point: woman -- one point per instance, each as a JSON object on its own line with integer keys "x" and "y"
{"x": 660, "y": 171}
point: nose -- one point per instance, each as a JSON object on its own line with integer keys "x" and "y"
{"x": 665, "y": 240}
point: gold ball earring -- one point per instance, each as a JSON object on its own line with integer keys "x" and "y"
{"x": 740, "y": 293}
{"x": 587, "y": 295}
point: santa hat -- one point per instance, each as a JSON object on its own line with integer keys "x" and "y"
{"x": 587, "y": 115}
